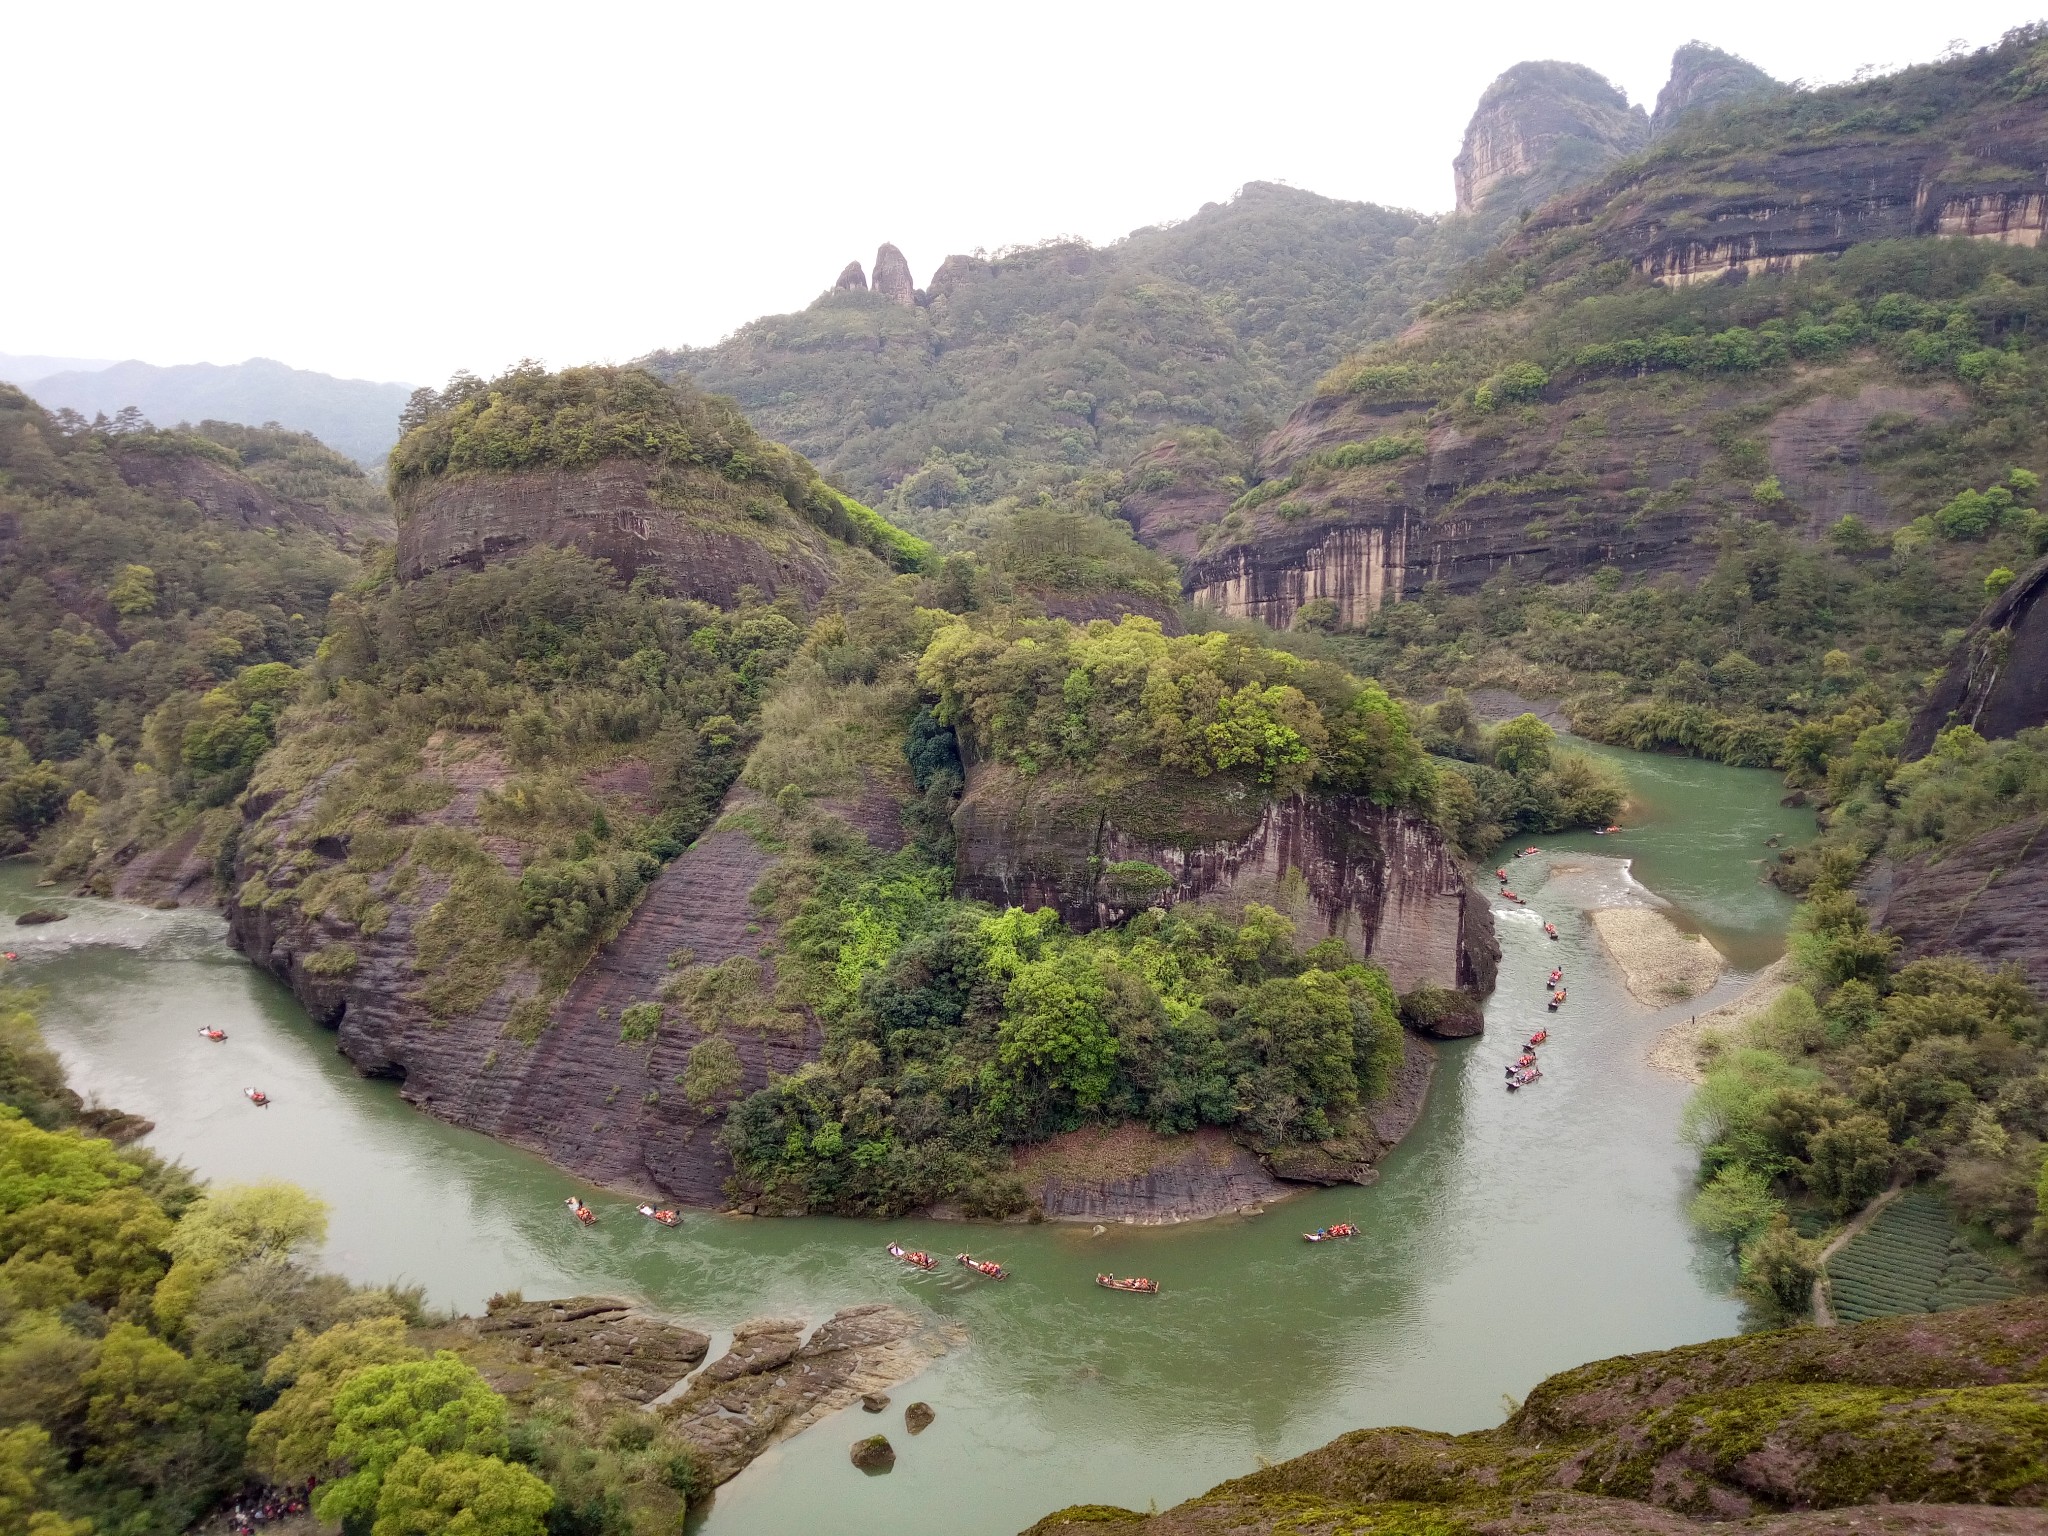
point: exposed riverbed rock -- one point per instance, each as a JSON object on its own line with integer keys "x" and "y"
{"x": 1385, "y": 882}
{"x": 918, "y": 1418}
{"x": 35, "y": 917}
{"x": 774, "y": 1382}
{"x": 1755, "y": 1429}
{"x": 625, "y": 1353}
{"x": 689, "y": 528}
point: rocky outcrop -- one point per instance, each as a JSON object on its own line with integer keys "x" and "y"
{"x": 219, "y": 492}
{"x": 691, "y": 529}
{"x": 1997, "y": 681}
{"x": 1541, "y": 127}
{"x": 1985, "y": 898}
{"x": 1911, "y": 1426}
{"x": 1703, "y": 78}
{"x": 892, "y": 277}
{"x": 602, "y": 1340}
{"x": 577, "y": 1092}
{"x": 774, "y": 1382}
{"x": 1385, "y": 882}
{"x": 1947, "y": 149}
{"x": 1593, "y": 474}
{"x": 852, "y": 280}
{"x": 1128, "y": 1174}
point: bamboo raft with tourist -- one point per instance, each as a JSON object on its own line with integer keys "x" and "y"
{"x": 580, "y": 1211}
{"x": 666, "y": 1218}
{"x": 987, "y": 1267}
{"x": 1324, "y": 1234}
{"x": 1136, "y": 1285}
{"x": 916, "y": 1258}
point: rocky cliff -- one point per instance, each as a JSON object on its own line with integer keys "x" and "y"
{"x": 1997, "y": 682}
{"x": 1541, "y": 127}
{"x": 1942, "y": 149}
{"x": 1600, "y": 473}
{"x": 1385, "y": 882}
{"x": 892, "y": 277}
{"x": 220, "y": 492}
{"x": 568, "y": 1083}
{"x": 1702, "y": 79}
{"x": 697, "y": 532}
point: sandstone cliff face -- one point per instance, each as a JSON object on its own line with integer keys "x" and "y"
{"x": 1703, "y": 78}
{"x": 1986, "y": 899}
{"x": 892, "y": 277}
{"x": 1540, "y": 127}
{"x": 704, "y": 537}
{"x": 1951, "y": 149}
{"x": 1594, "y": 475}
{"x": 1384, "y": 882}
{"x": 608, "y": 1109}
{"x": 1997, "y": 682}
{"x": 852, "y": 279}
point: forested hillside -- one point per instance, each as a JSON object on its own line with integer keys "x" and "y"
{"x": 158, "y": 593}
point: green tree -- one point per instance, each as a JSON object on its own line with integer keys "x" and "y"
{"x": 439, "y": 1405}
{"x": 231, "y": 1225}
{"x": 289, "y": 1440}
{"x": 133, "y": 592}
{"x": 1779, "y": 1267}
{"x": 1055, "y": 1043}
{"x": 1522, "y": 746}
{"x": 460, "y": 1494}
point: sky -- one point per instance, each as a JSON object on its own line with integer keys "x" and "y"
{"x": 398, "y": 191}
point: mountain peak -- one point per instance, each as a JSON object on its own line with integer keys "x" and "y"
{"x": 1704, "y": 77}
{"x": 1544, "y": 125}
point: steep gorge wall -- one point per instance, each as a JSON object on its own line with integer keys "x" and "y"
{"x": 1383, "y": 881}
{"x": 608, "y": 1109}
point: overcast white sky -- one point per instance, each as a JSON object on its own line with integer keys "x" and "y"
{"x": 395, "y": 191}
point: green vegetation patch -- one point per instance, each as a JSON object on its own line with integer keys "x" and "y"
{"x": 1912, "y": 1258}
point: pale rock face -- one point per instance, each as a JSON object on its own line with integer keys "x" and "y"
{"x": 1541, "y": 127}
{"x": 892, "y": 277}
{"x": 1703, "y": 78}
{"x": 853, "y": 278}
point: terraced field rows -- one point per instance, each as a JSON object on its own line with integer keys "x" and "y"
{"x": 1911, "y": 1258}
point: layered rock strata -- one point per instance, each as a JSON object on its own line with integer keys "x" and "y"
{"x": 700, "y": 535}
{"x": 1591, "y": 475}
{"x": 1542, "y": 126}
{"x": 610, "y": 1109}
{"x": 1385, "y": 882}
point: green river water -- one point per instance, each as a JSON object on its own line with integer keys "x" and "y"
{"x": 1511, "y": 1236}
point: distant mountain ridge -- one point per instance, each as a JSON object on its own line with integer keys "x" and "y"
{"x": 1030, "y": 370}
{"x": 356, "y": 416}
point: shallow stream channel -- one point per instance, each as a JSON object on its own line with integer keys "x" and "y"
{"x": 1511, "y": 1236}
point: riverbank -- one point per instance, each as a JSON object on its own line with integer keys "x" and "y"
{"x": 1660, "y": 963}
{"x": 1680, "y": 1051}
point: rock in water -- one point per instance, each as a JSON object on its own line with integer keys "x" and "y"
{"x": 874, "y": 1454}
{"x": 38, "y": 915}
{"x": 873, "y": 1402}
{"x": 917, "y": 1418}
{"x": 853, "y": 278}
{"x": 892, "y": 277}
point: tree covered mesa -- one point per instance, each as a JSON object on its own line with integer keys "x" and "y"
{"x": 793, "y": 775}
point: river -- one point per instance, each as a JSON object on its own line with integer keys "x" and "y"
{"x": 1511, "y": 1236}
